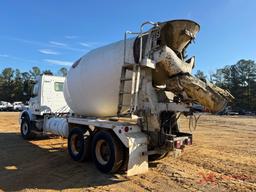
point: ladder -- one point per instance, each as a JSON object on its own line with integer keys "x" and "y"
{"x": 135, "y": 79}
{"x": 133, "y": 92}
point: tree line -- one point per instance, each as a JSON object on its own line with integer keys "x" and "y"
{"x": 16, "y": 85}
{"x": 240, "y": 80}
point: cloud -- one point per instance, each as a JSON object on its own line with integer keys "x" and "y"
{"x": 54, "y": 44}
{"x": 58, "y": 43}
{"x": 4, "y": 55}
{"x": 85, "y": 44}
{"x": 58, "y": 62}
{"x": 18, "y": 59}
{"x": 48, "y": 52}
{"x": 64, "y": 46}
{"x": 71, "y": 37}
{"x": 89, "y": 44}
{"x": 32, "y": 42}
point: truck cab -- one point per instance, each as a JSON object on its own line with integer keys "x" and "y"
{"x": 47, "y": 95}
{"x": 47, "y": 99}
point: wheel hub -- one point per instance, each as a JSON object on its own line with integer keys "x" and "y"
{"x": 103, "y": 152}
{"x": 25, "y": 128}
{"x": 75, "y": 144}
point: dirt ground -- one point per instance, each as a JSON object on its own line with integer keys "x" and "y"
{"x": 222, "y": 158}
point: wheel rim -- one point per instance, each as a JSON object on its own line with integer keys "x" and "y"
{"x": 102, "y": 152}
{"x": 76, "y": 144}
{"x": 25, "y": 128}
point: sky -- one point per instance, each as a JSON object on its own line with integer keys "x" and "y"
{"x": 55, "y": 33}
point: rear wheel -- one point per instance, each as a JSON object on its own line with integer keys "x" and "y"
{"x": 79, "y": 144}
{"x": 25, "y": 129}
{"x": 156, "y": 157}
{"x": 107, "y": 152}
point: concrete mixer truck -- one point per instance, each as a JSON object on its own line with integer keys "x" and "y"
{"x": 120, "y": 103}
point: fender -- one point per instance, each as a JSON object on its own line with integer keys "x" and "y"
{"x": 26, "y": 113}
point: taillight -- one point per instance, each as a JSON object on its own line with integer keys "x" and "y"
{"x": 126, "y": 129}
{"x": 187, "y": 142}
{"x": 178, "y": 144}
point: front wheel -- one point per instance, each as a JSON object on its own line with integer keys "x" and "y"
{"x": 107, "y": 152}
{"x": 25, "y": 129}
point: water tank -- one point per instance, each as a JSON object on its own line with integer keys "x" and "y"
{"x": 57, "y": 126}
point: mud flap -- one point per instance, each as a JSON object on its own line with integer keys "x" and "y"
{"x": 138, "y": 158}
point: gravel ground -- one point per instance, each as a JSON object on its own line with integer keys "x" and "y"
{"x": 222, "y": 158}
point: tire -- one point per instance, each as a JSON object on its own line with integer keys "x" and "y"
{"x": 79, "y": 144}
{"x": 156, "y": 157}
{"x": 107, "y": 152}
{"x": 25, "y": 129}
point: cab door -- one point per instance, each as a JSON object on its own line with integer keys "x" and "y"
{"x": 53, "y": 98}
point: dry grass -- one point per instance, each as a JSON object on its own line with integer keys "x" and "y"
{"x": 222, "y": 158}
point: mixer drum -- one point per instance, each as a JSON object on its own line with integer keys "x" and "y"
{"x": 92, "y": 84}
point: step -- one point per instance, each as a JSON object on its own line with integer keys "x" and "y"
{"x": 129, "y": 66}
{"x": 123, "y": 92}
{"x": 126, "y": 79}
{"x": 122, "y": 105}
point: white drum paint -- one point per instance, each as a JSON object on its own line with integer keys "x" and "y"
{"x": 92, "y": 87}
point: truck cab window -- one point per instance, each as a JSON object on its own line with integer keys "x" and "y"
{"x": 35, "y": 90}
{"x": 58, "y": 86}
